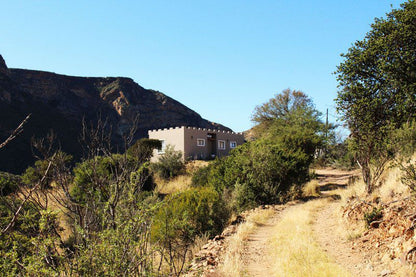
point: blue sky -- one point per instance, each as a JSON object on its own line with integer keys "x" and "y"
{"x": 219, "y": 58}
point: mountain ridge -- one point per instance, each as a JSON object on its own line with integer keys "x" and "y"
{"x": 61, "y": 102}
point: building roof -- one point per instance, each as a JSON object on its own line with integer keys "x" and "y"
{"x": 196, "y": 128}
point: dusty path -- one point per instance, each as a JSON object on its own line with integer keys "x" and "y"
{"x": 255, "y": 259}
{"x": 326, "y": 236}
{"x": 327, "y": 229}
{"x": 340, "y": 249}
{"x": 334, "y": 241}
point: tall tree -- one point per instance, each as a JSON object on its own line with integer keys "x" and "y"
{"x": 290, "y": 107}
{"x": 377, "y": 82}
{"x": 290, "y": 120}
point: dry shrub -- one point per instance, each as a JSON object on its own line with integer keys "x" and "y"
{"x": 310, "y": 189}
{"x": 392, "y": 186}
{"x": 192, "y": 166}
{"x": 176, "y": 184}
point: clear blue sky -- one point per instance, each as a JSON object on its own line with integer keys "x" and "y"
{"x": 220, "y": 58}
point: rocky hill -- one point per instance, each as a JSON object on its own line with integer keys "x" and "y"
{"x": 58, "y": 102}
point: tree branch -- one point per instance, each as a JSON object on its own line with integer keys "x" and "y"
{"x": 16, "y": 132}
{"x": 11, "y": 223}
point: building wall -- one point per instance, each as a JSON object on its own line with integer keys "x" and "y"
{"x": 193, "y": 151}
{"x": 171, "y": 136}
{"x": 186, "y": 139}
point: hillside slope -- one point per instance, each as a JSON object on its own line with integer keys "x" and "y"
{"x": 60, "y": 103}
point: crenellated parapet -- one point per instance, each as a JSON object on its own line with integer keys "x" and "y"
{"x": 196, "y": 128}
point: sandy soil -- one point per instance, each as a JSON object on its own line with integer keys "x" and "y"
{"x": 255, "y": 260}
{"x": 339, "y": 248}
{"x": 327, "y": 232}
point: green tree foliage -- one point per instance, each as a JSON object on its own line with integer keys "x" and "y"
{"x": 272, "y": 168}
{"x": 258, "y": 172}
{"x": 377, "y": 81}
{"x": 142, "y": 150}
{"x": 291, "y": 107}
{"x": 170, "y": 163}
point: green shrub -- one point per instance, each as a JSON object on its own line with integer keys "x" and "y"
{"x": 374, "y": 215}
{"x": 142, "y": 150}
{"x": 30, "y": 242}
{"x": 201, "y": 175}
{"x": 121, "y": 251}
{"x": 409, "y": 176}
{"x": 170, "y": 164}
{"x": 259, "y": 172}
{"x": 181, "y": 218}
{"x": 189, "y": 214}
{"x": 34, "y": 174}
{"x": 9, "y": 183}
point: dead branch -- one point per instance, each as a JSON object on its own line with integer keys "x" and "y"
{"x": 15, "y": 132}
{"x": 11, "y": 223}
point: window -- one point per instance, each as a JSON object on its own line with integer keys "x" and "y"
{"x": 233, "y": 144}
{"x": 200, "y": 142}
{"x": 163, "y": 147}
{"x": 221, "y": 144}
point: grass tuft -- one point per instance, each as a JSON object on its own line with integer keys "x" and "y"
{"x": 311, "y": 189}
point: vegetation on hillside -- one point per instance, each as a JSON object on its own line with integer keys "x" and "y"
{"x": 103, "y": 216}
{"x": 272, "y": 168}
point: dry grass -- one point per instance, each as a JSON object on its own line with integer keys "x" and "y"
{"x": 310, "y": 189}
{"x": 181, "y": 182}
{"x": 232, "y": 264}
{"x": 293, "y": 249}
{"x": 177, "y": 184}
{"x": 391, "y": 185}
{"x": 192, "y": 166}
{"x": 356, "y": 189}
{"x": 197, "y": 245}
{"x": 389, "y": 189}
{"x": 51, "y": 199}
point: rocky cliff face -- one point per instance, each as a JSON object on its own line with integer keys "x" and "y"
{"x": 60, "y": 103}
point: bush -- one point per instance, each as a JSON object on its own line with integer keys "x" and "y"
{"x": 259, "y": 172}
{"x": 374, "y": 215}
{"x": 182, "y": 218}
{"x": 201, "y": 175}
{"x": 142, "y": 150}
{"x": 102, "y": 183}
{"x": 9, "y": 183}
{"x": 170, "y": 164}
{"x": 34, "y": 174}
{"x": 404, "y": 145}
{"x": 188, "y": 214}
{"x": 30, "y": 242}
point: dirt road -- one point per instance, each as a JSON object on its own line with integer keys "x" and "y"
{"x": 326, "y": 233}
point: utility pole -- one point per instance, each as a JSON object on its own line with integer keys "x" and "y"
{"x": 326, "y": 133}
{"x": 326, "y": 125}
